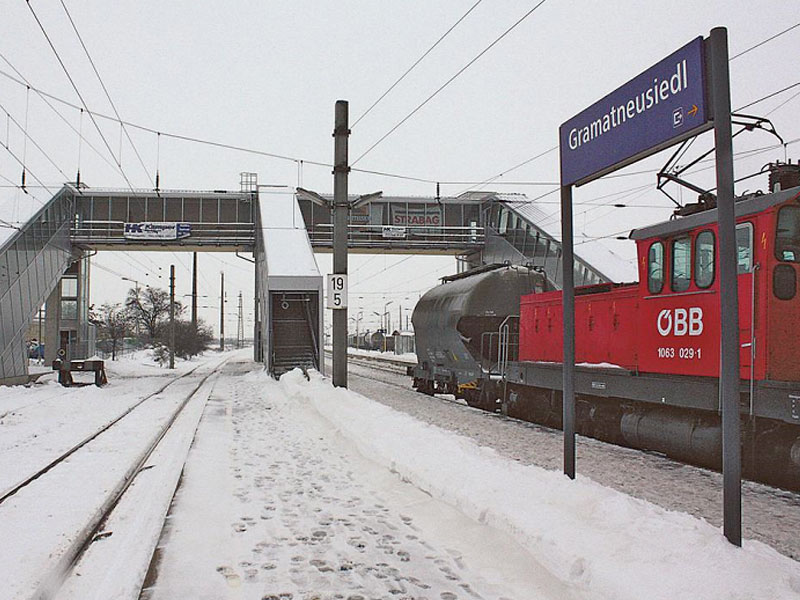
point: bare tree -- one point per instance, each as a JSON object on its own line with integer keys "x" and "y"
{"x": 190, "y": 339}
{"x": 150, "y": 308}
{"x": 115, "y": 322}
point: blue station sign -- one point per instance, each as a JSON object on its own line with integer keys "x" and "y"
{"x": 660, "y": 107}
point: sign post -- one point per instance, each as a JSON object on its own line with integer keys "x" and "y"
{"x": 729, "y": 295}
{"x": 662, "y": 106}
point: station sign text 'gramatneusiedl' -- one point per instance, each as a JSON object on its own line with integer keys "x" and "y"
{"x": 656, "y": 109}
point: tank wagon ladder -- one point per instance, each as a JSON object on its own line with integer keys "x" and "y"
{"x": 500, "y": 347}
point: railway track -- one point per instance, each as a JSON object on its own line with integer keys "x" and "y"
{"x": 381, "y": 364}
{"x": 102, "y": 467}
{"x": 10, "y": 491}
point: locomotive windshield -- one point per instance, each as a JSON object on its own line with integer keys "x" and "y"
{"x": 787, "y": 236}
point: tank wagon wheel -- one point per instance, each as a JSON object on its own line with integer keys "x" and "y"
{"x": 488, "y": 399}
{"x": 424, "y": 386}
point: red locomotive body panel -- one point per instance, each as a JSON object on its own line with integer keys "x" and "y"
{"x": 605, "y": 327}
{"x": 781, "y": 316}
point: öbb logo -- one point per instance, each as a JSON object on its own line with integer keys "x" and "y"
{"x": 680, "y": 321}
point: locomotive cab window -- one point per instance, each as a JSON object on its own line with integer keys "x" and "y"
{"x": 681, "y": 264}
{"x": 787, "y": 236}
{"x": 655, "y": 268}
{"x": 704, "y": 259}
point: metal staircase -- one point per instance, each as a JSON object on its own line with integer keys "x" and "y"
{"x": 514, "y": 236}
{"x": 32, "y": 261}
{"x": 294, "y": 339}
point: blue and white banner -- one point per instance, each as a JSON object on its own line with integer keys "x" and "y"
{"x": 157, "y": 231}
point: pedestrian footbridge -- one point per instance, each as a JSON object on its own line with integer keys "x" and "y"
{"x": 45, "y": 261}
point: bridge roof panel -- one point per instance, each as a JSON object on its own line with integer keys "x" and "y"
{"x": 149, "y": 193}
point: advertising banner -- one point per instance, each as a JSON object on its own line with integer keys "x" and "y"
{"x": 157, "y": 231}
{"x": 416, "y": 216}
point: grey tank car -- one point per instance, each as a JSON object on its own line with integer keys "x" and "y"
{"x": 458, "y": 326}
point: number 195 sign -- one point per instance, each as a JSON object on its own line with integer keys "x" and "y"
{"x": 337, "y": 291}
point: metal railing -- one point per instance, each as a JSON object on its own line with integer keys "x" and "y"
{"x": 501, "y": 346}
{"x": 408, "y": 236}
{"x": 113, "y": 232}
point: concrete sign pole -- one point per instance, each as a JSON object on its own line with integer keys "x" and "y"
{"x": 341, "y": 209}
{"x": 568, "y": 304}
{"x": 729, "y": 295}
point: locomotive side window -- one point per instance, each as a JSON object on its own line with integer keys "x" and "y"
{"x": 787, "y": 236}
{"x": 704, "y": 259}
{"x": 744, "y": 248}
{"x": 655, "y": 268}
{"x": 681, "y": 264}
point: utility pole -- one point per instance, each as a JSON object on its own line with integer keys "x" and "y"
{"x": 240, "y": 325}
{"x": 172, "y": 316}
{"x": 341, "y": 210}
{"x": 221, "y": 311}
{"x": 194, "y": 291}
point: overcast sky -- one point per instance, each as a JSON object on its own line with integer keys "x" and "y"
{"x": 265, "y": 76}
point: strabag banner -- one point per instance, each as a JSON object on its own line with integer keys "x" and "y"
{"x": 416, "y": 216}
{"x": 157, "y": 231}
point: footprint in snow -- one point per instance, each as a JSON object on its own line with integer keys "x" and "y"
{"x": 230, "y": 576}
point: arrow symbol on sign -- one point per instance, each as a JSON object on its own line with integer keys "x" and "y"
{"x": 693, "y": 110}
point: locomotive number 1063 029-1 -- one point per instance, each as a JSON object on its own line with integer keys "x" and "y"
{"x": 682, "y": 353}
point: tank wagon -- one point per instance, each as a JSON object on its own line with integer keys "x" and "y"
{"x": 458, "y": 328}
{"x": 647, "y": 353}
{"x": 376, "y": 340}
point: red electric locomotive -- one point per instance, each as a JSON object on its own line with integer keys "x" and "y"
{"x": 648, "y": 353}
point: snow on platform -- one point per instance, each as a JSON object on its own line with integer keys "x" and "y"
{"x": 296, "y": 489}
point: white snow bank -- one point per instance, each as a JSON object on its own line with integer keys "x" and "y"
{"x": 605, "y": 543}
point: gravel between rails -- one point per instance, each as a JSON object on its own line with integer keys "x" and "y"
{"x": 769, "y": 515}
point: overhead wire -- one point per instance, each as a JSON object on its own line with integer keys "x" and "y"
{"x": 108, "y": 95}
{"x": 35, "y": 144}
{"x": 77, "y": 91}
{"x": 39, "y": 181}
{"x": 768, "y": 96}
{"x": 761, "y": 43}
{"x": 409, "y": 257}
{"x": 514, "y": 168}
{"x": 46, "y": 98}
{"x": 419, "y": 60}
{"x": 782, "y": 104}
{"x": 449, "y": 81}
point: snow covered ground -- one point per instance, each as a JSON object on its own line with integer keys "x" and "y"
{"x": 770, "y": 515}
{"x": 297, "y": 490}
